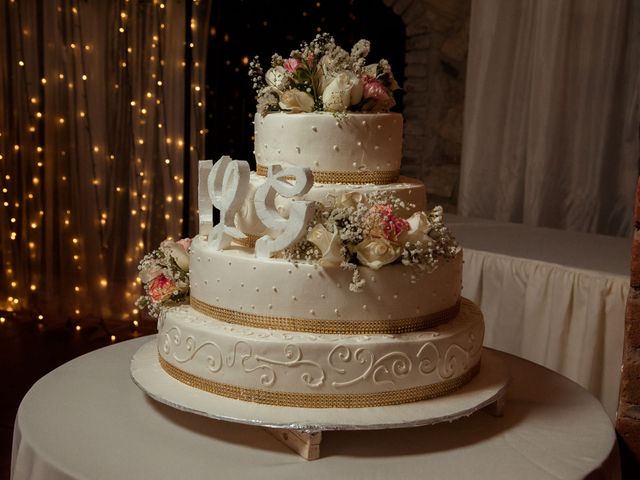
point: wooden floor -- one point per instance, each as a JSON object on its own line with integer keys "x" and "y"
{"x": 29, "y": 350}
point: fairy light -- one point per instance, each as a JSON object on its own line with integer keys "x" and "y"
{"x": 33, "y": 153}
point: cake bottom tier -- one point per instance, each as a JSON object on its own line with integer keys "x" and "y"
{"x": 319, "y": 371}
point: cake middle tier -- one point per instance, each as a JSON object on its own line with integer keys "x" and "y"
{"x": 411, "y": 191}
{"x": 352, "y": 148}
{"x": 235, "y": 286}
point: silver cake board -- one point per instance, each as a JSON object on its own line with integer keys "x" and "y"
{"x": 303, "y": 435}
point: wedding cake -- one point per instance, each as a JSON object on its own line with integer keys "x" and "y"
{"x": 325, "y": 284}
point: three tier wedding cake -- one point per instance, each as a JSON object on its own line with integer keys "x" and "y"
{"x": 325, "y": 284}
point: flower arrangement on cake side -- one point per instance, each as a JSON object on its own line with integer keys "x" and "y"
{"x": 370, "y": 230}
{"x": 164, "y": 273}
{"x": 321, "y": 76}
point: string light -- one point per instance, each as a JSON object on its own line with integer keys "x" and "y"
{"x": 23, "y": 221}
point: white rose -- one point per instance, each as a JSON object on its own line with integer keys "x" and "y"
{"x": 177, "y": 252}
{"x": 343, "y": 90}
{"x": 277, "y": 77}
{"x": 419, "y": 228}
{"x": 296, "y": 101}
{"x": 151, "y": 271}
{"x": 351, "y": 199}
{"x": 376, "y": 252}
{"x": 329, "y": 244}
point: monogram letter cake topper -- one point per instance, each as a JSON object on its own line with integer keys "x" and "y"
{"x": 228, "y": 184}
{"x": 289, "y": 230}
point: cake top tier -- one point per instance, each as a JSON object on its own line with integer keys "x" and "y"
{"x": 356, "y": 148}
{"x": 320, "y": 76}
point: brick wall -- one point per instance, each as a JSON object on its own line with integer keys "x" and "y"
{"x": 437, "y": 46}
{"x": 628, "y": 418}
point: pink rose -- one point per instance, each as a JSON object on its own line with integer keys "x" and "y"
{"x": 381, "y": 222}
{"x": 373, "y": 88}
{"x": 291, "y": 64}
{"x": 185, "y": 243}
{"x": 161, "y": 288}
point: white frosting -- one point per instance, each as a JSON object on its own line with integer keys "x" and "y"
{"x": 302, "y": 362}
{"x": 235, "y": 279}
{"x": 356, "y": 142}
{"x": 409, "y": 190}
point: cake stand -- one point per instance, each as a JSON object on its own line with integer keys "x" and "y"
{"x": 300, "y": 429}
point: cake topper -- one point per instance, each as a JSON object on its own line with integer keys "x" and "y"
{"x": 227, "y": 184}
{"x": 289, "y": 230}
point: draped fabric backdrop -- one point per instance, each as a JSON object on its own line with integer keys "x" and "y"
{"x": 551, "y": 113}
{"x": 93, "y": 138}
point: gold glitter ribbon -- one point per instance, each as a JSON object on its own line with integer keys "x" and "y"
{"x": 321, "y": 400}
{"x": 249, "y": 242}
{"x": 336, "y": 327}
{"x": 353, "y": 178}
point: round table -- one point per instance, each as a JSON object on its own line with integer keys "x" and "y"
{"x": 87, "y": 419}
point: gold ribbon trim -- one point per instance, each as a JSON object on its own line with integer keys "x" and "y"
{"x": 320, "y": 400}
{"x": 249, "y": 242}
{"x": 335, "y": 327}
{"x": 354, "y": 178}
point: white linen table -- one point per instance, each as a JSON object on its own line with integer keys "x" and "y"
{"x": 554, "y": 297}
{"x": 87, "y": 419}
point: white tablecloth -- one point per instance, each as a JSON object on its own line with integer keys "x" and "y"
{"x": 551, "y": 296}
{"x": 88, "y": 420}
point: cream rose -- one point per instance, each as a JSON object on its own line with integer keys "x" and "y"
{"x": 277, "y": 77}
{"x": 343, "y": 90}
{"x": 150, "y": 272}
{"x": 419, "y": 228}
{"x": 329, "y": 244}
{"x": 351, "y": 199}
{"x": 376, "y": 252}
{"x": 177, "y": 252}
{"x": 296, "y": 101}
